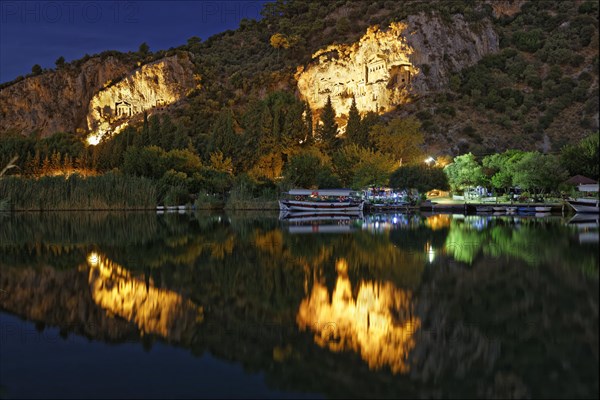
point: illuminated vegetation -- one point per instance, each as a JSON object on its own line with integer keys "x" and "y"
{"x": 244, "y": 131}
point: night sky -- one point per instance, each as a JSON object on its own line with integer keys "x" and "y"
{"x": 33, "y": 32}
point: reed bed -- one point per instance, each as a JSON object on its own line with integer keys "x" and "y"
{"x": 103, "y": 192}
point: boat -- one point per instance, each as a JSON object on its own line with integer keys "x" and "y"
{"x": 586, "y": 204}
{"x": 587, "y": 226}
{"x": 499, "y": 209}
{"x": 511, "y": 210}
{"x": 310, "y": 216}
{"x": 315, "y": 222}
{"x": 526, "y": 210}
{"x": 322, "y": 201}
{"x": 543, "y": 209}
{"x": 585, "y": 221}
{"x": 484, "y": 209}
{"x": 583, "y": 205}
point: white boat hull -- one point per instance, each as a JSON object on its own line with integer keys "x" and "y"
{"x": 321, "y": 206}
{"x": 585, "y": 206}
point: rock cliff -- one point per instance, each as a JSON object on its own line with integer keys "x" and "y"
{"x": 389, "y": 67}
{"x": 100, "y": 94}
{"x": 57, "y": 100}
{"x": 153, "y": 86}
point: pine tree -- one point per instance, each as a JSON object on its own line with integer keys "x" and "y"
{"x": 68, "y": 164}
{"x": 56, "y": 161}
{"x": 308, "y": 123}
{"x": 327, "y": 130}
{"x": 353, "y": 129}
{"x": 154, "y": 131}
{"x": 368, "y": 121}
{"x": 143, "y": 138}
{"x": 46, "y": 166}
{"x": 36, "y": 164}
{"x": 223, "y": 136}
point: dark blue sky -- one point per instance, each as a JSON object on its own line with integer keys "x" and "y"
{"x": 38, "y": 32}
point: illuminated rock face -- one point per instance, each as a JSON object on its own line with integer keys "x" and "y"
{"x": 376, "y": 71}
{"x": 387, "y": 68}
{"x": 378, "y": 324}
{"x": 56, "y": 101}
{"x": 150, "y": 87}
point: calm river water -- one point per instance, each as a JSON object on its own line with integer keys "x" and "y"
{"x": 248, "y": 305}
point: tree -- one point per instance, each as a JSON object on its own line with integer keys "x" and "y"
{"x": 223, "y": 137}
{"x": 500, "y": 168}
{"x": 328, "y": 129}
{"x": 60, "y": 62}
{"x": 220, "y": 163}
{"x": 194, "y": 44}
{"x": 401, "y": 138}
{"x": 368, "y": 121}
{"x": 308, "y": 123}
{"x": 420, "y": 177}
{"x": 279, "y": 41}
{"x": 36, "y": 69}
{"x": 353, "y": 128}
{"x": 538, "y": 172}
{"x": 360, "y": 167}
{"x": 303, "y": 168}
{"x": 144, "y": 49}
{"x": 582, "y": 158}
{"x": 464, "y": 172}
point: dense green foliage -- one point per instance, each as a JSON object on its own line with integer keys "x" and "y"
{"x": 532, "y": 171}
{"x": 245, "y": 118}
{"x": 421, "y": 177}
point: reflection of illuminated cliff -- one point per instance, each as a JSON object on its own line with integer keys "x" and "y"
{"x": 153, "y": 310}
{"x": 379, "y": 324}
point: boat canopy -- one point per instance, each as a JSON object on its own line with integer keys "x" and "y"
{"x": 322, "y": 192}
{"x": 588, "y": 188}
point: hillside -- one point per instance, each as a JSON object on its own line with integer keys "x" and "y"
{"x": 478, "y": 76}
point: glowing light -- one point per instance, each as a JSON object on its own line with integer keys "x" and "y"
{"x": 430, "y": 252}
{"x": 379, "y": 325}
{"x": 439, "y": 221}
{"x": 93, "y": 140}
{"x": 93, "y": 259}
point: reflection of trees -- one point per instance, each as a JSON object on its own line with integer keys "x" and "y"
{"x": 253, "y": 280}
{"x": 504, "y": 329}
{"x": 532, "y": 240}
{"x": 60, "y": 298}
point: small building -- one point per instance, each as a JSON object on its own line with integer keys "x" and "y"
{"x": 580, "y": 180}
{"x": 123, "y": 109}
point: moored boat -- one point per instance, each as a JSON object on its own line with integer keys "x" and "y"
{"x": 583, "y": 205}
{"x": 586, "y": 204}
{"x": 322, "y": 201}
{"x": 499, "y": 208}
{"x": 526, "y": 210}
{"x": 484, "y": 209}
{"x": 543, "y": 209}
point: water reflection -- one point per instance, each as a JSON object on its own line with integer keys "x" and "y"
{"x": 154, "y": 311}
{"x": 378, "y": 324}
{"x": 384, "y": 305}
